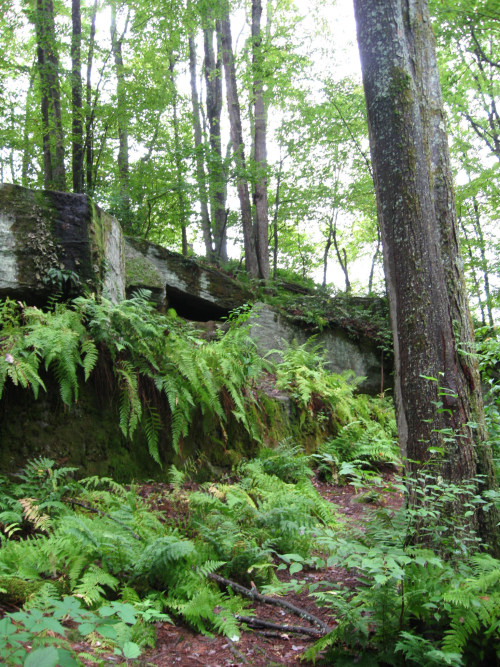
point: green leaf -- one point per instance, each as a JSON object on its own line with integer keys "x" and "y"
{"x": 295, "y": 567}
{"x": 131, "y": 650}
{"x": 43, "y": 657}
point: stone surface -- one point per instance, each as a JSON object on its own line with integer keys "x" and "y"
{"x": 195, "y": 292}
{"x": 45, "y": 235}
{"x": 272, "y": 330}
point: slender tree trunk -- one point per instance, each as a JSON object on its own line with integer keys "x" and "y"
{"x": 48, "y": 67}
{"x": 198, "y": 144}
{"x": 224, "y": 28}
{"x": 374, "y": 259}
{"x": 213, "y": 83}
{"x": 77, "y": 97}
{"x": 341, "y": 256}
{"x": 275, "y": 218}
{"x": 122, "y": 121}
{"x": 484, "y": 262}
{"x": 178, "y": 163}
{"x": 27, "y": 144}
{"x": 260, "y": 147}
{"x": 429, "y": 313}
{"x": 477, "y": 286}
{"x": 89, "y": 120}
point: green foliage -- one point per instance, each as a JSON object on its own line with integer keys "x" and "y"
{"x": 247, "y": 523}
{"x": 422, "y": 598}
{"x": 153, "y": 357}
{"x": 57, "y": 340}
{"x": 364, "y": 427}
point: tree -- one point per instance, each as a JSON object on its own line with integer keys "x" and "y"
{"x": 429, "y": 314}
{"x": 260, "y": 148}
{"x": 77, "y": 96}
{"x": 50, "y": 98}
{"x": 216, "y": 171}
{"x": 198, "y": 146}
{"x": 122, "y": 118}
{"x": 224, "y": 29}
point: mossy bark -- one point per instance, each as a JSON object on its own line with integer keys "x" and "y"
{"x": 429, "y": 313}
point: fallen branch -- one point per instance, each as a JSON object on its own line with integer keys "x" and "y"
{"x": 253, "y": 594}
{"x": 254, "y": 622}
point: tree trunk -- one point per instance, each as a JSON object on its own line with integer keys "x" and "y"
{"x": 48, "y": 67}
{"x": 224, "y": 28}
{"x": 260, "y": 156}
{"x": 27, "y": 143}
{"x": 429, "y": 313}
{"x": 275, "y": 218}
{"x": 216, "y": 172}
{"x": 342, "y": 257}
{"x": 198, "y": 145}
{"x": 76, "y": 96}
{"x": 122, "y": 122}
{"x": 178, "y": 163}
{"x": 374, "y": 259}
{"x": 89, "y": 120}
{"x": 484, "y": 261}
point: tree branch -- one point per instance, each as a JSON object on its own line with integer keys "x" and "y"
{"x": 253, "y": 594}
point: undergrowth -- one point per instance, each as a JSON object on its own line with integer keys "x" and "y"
{"x": 153, "y": 357}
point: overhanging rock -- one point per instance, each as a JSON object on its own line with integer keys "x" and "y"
{"x": 49, "y": 237}
{"x": 272, "y": 330}
{"x": 195, "y": 292}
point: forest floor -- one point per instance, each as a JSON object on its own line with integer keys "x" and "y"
{"x": 178, "y": 645}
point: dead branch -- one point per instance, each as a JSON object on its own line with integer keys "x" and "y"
{"x": 254, "y": 622}
{"x": 253, "y": 594}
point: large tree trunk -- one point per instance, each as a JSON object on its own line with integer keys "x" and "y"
{"x": 224, "y": 28}
{"x": 76, "y": 97}
{"x": 429, "y": 312}
{"x": 260, "y": 148}
{"x": 216, "y": 171}
{"x": 198, "y": 145}
{"x": 122, "y": 122}
{"x": 48, "y": 67}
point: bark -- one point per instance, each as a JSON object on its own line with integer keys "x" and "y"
{"x": 213, "y": 82}
{"x": 178, "y": 163}
{"x": 224, "y": 29}
{"x": 27, "y": 144}
{"x": 77, "y": 97}
{"x": 429, "y": 312}
{"x": 122, "y": 121}
{"x": 260, "y": 147}
{"x": 48, "y": 68}
{"x": 89, "y": 121}
{"x": 198, "y": 144}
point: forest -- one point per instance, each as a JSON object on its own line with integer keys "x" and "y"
{"x": 288, "y": 518}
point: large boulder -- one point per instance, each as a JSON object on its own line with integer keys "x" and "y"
{"x": 196, "y": 292}
{"x": 57, "y": 240}
{"x": 274, "y": 330}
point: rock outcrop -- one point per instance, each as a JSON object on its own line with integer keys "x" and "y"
{"x": 195, "y": 292}
{"x": 273, "y": 330}
{"x": 52, "y": 241}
